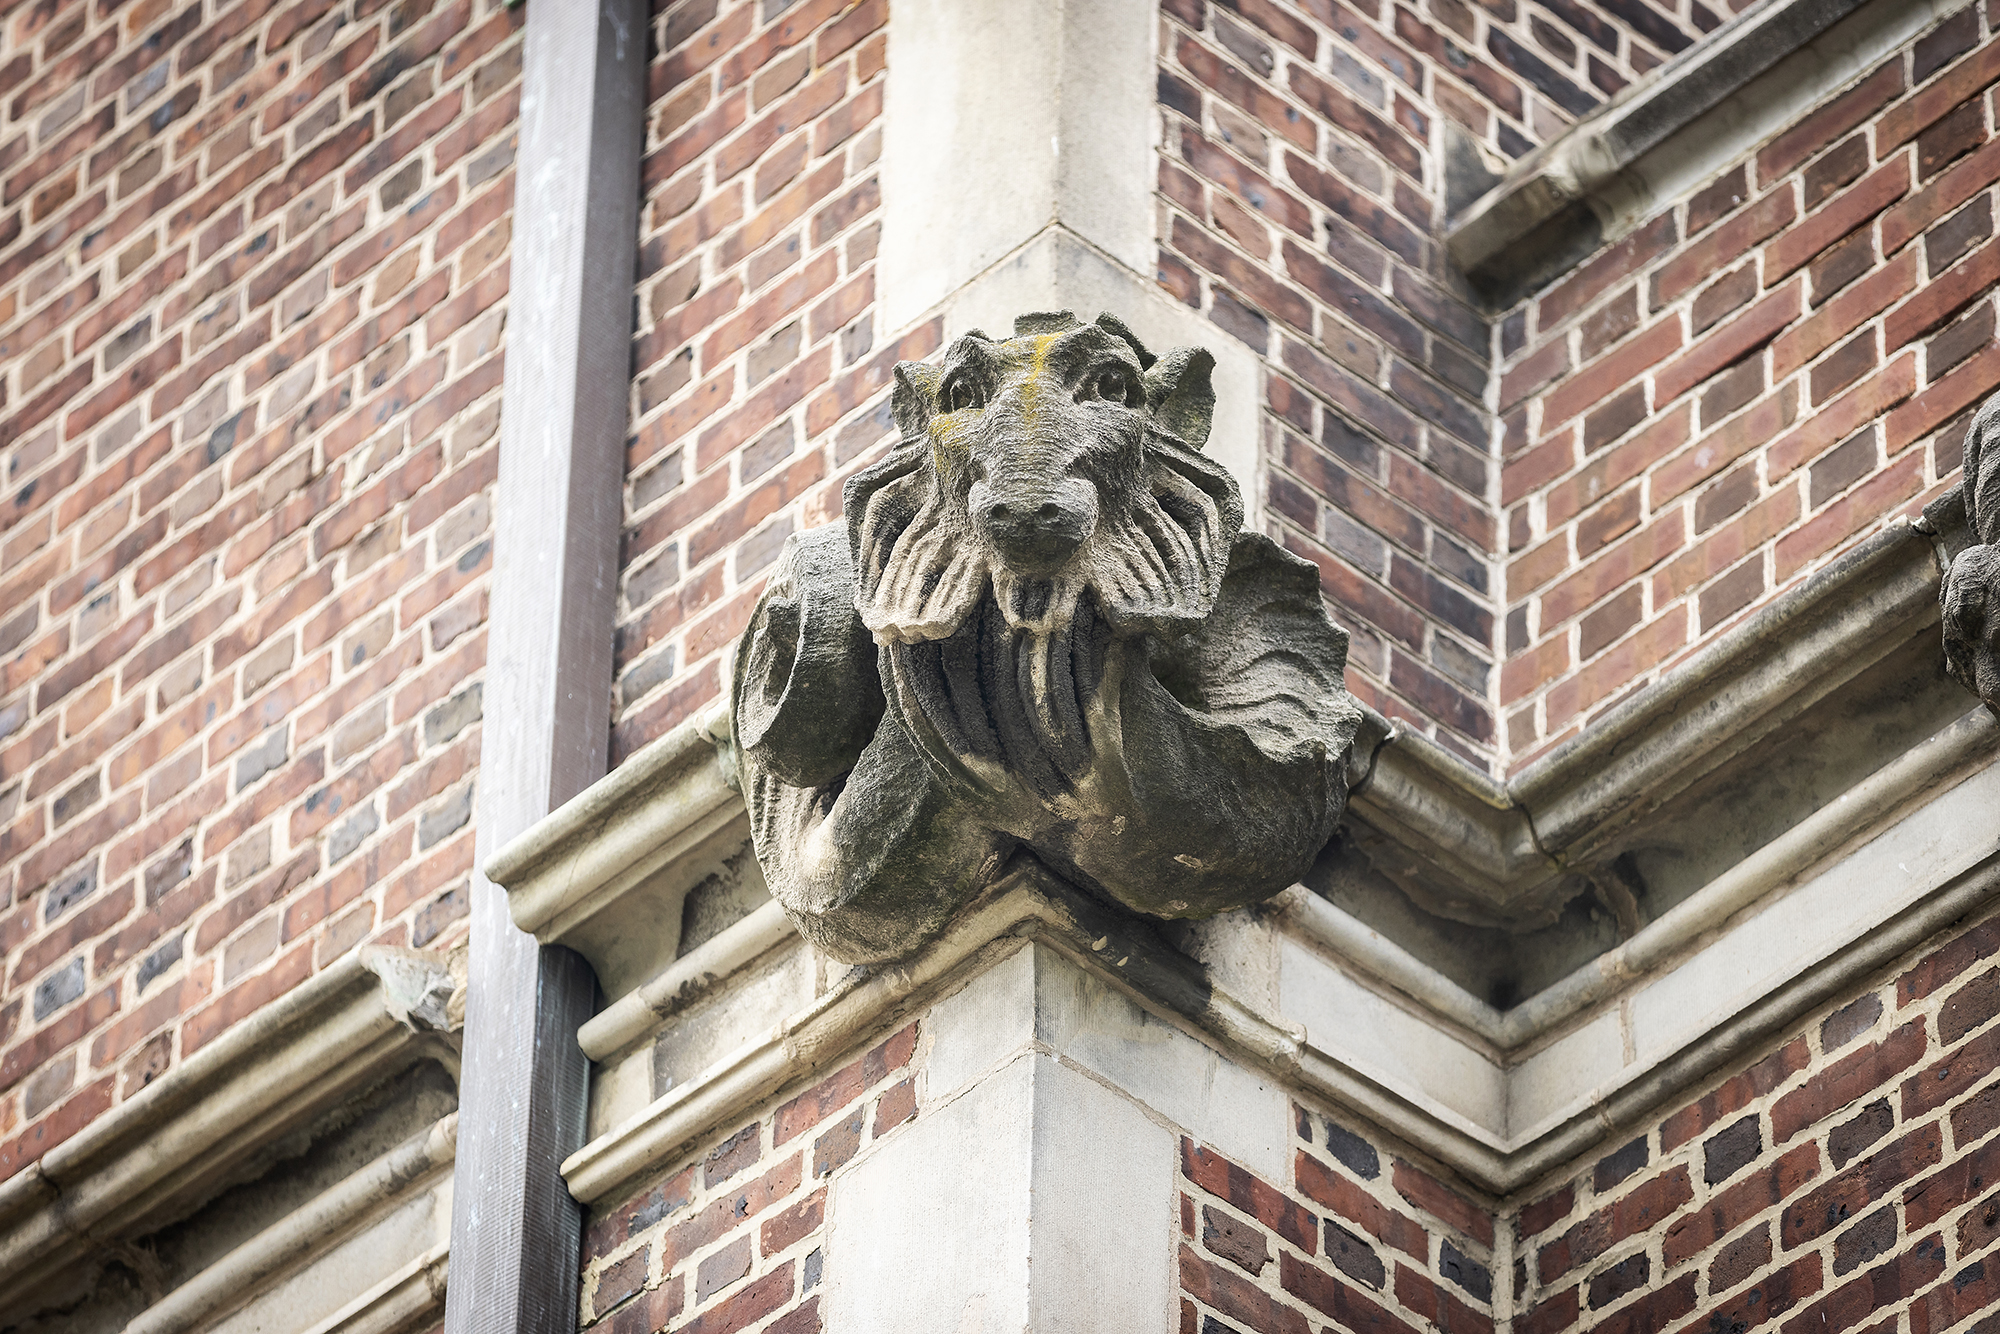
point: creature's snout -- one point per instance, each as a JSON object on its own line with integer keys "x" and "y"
{"x": 1036, "y": 526}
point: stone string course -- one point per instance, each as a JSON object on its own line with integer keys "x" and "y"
{"x": 1759, "y": 374}
{"x": 253, "y": 276}
{"x": 733, "y": 1240}
{"x": 758, "y": 384}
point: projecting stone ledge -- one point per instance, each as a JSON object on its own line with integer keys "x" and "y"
{"x": 1040, "y": 628}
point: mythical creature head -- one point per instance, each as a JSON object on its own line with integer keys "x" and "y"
{"x": 1062, "y": 460}
{"x": 1041, "y": 633}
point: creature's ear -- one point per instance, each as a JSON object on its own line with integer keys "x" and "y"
{"x": 916, "y": 397}
{"x": 1117, "y": 328}
{"x": 1179, "y": 391}
{"x": 1044, "y": 322}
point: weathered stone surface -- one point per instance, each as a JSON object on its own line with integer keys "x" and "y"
{"x": 1971, "y": 592}
{"x": 1040, "y": 628}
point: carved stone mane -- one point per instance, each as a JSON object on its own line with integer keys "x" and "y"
{"x": 1040, "y": 630}
{"x": 1971, "y": 591}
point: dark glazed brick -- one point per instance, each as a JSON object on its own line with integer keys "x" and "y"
{"x": 1950, "y": 239}
{"x": 1732, "y": 592}
{"x": 1951, "y": 138}
{"x": 1732, "y": 1148}
{"x": 1843, "y": 366}
{"x": 1538, "y": 72}
{"x": 619, "y": 1281}
{"x": 733, "y": 1155}
{"x": 1610, "y": 622}
{"x": 1718, "y": 200}
{"x": 1731, "y": 389}
{"x": 1614, "y": 1167}
{"x": 1465, "y": 1271}
{"x": 1234, "y": 1240}
{"x": 1854, "y": 1136}
{"x": 1614, "y": 419}
{"x": 1739, "y": 1260}
{"x": 1241, "y": 321}
{"x": 1842, "y": 466}
{"x": 1836, "y": 268}
{"x": 838, "y": 1145}
{"x": 1354, "y": 1153}
{"x": 1946, "y": 42}
{"x": 1354, "y": 1257}
{"x": 1839, "y": 167}
{"x": 1627, "y": 1276}
{"x": 1969, "y": 1007}
{"x": 1727, "y": 497}
{"x": 1849, "y": 1022}
{"x": 1872, "y": 1236}
{"x": 1971, "y": 333}
{"x": 1726, "y": 294}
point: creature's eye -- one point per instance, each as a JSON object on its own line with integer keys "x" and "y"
{"x": 962, "y": 392}
{"x": 1113, "y": 385}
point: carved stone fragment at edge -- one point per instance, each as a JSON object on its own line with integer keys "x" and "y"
{"x": 1971, "y": 591}
{"x": 1040, "y": 632}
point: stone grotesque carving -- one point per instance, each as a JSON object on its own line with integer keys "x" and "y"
{"x": 1039, "y": 627}
{"x": 1971, "y": 592}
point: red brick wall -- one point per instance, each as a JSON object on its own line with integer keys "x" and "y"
{"x": 252, "y": 278}
{"x": 758, "y": 382}
{"x": 1303, "y": 195}
{"x": 1847, "y": 1179}
{"x": 735, "y": 1235}
{"x": 1752, "y": 379}
{"x": 1355, "y": 1235}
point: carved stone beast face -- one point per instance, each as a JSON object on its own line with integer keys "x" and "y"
{"x": 1039, "y": 634}
{"x": 1061, "y": 460}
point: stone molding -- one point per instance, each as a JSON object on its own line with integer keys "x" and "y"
{"x": 167, "y": 1148}
{"x": 1614, "y": 167}
{"x": 315, "y": 1226}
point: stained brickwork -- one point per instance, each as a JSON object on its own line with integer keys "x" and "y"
{"x": 253, "y": 269}
{"x": 733, "y": 1239}
{"x": 758, "y": 386}
{"x": 1731, "y": 394}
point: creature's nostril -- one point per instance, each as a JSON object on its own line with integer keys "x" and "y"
{"x": 1048, "y": 511}
{"x": 996, "y": 512}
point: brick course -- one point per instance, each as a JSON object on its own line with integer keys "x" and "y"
{"x": 252, "y": 291}
{"x": 1824, "y": 386}
{"x": 758, "y": 385}
{"x": 732, "y": 1238}
{"x": 1838, "y": 1181}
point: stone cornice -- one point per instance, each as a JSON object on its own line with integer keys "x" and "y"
{"x": 207, "y": 1120}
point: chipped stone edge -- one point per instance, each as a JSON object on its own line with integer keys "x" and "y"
{"x": 177, "y": 1141}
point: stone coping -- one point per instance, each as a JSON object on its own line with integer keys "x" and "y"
{"x": 175, "y": 1143}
